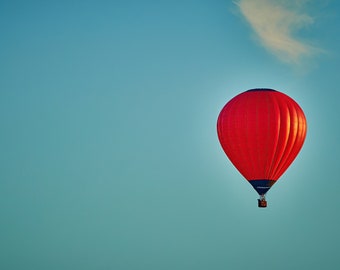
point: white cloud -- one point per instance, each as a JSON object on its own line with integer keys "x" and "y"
{"x": 275, "y": 24}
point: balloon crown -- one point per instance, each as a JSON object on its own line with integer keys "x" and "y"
{"x": 261, "y": 89}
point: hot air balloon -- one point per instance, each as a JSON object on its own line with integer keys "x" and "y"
{"x": 261, "y": 131}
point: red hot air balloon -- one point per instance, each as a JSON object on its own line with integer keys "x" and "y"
{"x": 261, "y": 131}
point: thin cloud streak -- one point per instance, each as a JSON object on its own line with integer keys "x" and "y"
{"x": 275, "y": 25}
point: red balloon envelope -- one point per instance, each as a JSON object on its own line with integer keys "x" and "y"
{"x": 261, "y": 131}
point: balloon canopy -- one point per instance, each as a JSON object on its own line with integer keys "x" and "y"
{"x": 261, "y": 131}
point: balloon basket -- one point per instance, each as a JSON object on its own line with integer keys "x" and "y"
{"x": 262, "y": 203}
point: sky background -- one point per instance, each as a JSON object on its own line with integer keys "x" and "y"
{"x": 109, "y": 157}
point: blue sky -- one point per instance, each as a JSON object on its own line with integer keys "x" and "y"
{"x": 109, "y": 152}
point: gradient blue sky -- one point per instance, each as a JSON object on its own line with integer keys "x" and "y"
{"x": 109, "y": 153}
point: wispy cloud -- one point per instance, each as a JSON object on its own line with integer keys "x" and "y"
{"x": 276, "y": 25}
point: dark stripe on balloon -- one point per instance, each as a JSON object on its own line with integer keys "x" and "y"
{"x": 262, "y": 185}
